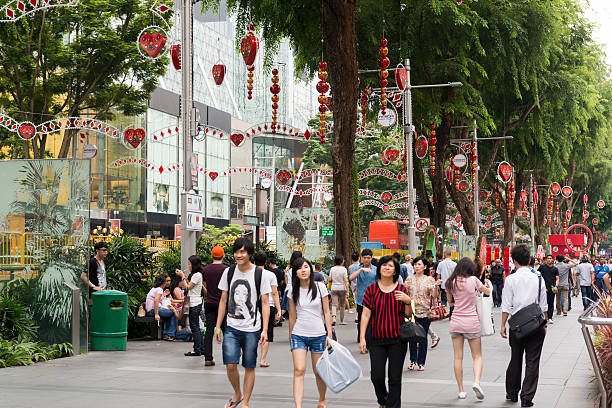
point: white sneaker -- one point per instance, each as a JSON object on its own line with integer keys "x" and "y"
{"x": 478, "y": 391}
{"x": 550, "y": 321}
{"x": 462, "y": 395}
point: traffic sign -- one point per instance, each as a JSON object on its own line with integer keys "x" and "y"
{"x": 90, "y": 151}
{"x": 459, "y": 160}
{"x": 194, "y": 221}
{"x": 421, "y": 224}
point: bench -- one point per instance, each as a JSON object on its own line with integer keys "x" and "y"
{"x": 156, "y": 329}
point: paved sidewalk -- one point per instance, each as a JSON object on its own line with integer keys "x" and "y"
{"x": 155, "y": 373}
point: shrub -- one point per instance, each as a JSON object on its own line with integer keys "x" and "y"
{"x": 15, "y": 353}
{"x": 15, "y": 324}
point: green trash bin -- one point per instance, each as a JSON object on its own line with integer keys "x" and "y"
{"x": 108, "y": 320}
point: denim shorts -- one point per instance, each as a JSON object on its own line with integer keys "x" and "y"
{"x": 314, "y": 344}
{"x": 235, "y": 341}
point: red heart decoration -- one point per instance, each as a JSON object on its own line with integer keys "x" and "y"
{"x": 585, "y": 214}
{"x": 568, "y": 215}
{"x": 26, "y": 131}
{"x": 601, "y": 204}
{"x": 464, "y": 186}
{"x": 134, "y": 136}
{"x": 283, "y": 177}
{"x": 386, "y": 197}
{"x": 555, "y": 188}
{"x": 504, "y": 170}
{"x": 567, "y": 191}
{"x": 307, "y": 135}
{"x": 237, "y": 138}
{"x": 393, "y": 154}
{"x": 152, "y": 43}
{"x": 213, "y": 175}
{"x": 483, "y": 195}
{"x": 385, "y": 208}
{"x": 401, "y": 78}
{"x": 248, "y": 48}
{"x": 421, "y": 147}
{"x": 175, "y": 53}
{"x": 218, "y": 72}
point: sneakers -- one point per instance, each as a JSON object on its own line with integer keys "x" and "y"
{"x": 478, "y": 391}
{"x": 550, "y": 321}
{"x": 462, "y": 395}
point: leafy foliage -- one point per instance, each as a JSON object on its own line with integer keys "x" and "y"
{"x": 14, "y": 321}
{"x": 15, "y": 353}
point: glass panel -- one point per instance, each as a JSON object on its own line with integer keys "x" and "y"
{"x": 44, "y": 210}
{"x": 303, "y": 230}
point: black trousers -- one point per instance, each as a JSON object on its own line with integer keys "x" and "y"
{"x": 210, "y": 310}
{"x": 379, "y": 355}
{"x": 194, "y": 325}
{"x": 550, "y": 299}
{"x": 531, "y": 346}
{"x": 368, "y": 334}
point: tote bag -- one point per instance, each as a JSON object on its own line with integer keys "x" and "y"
{"x": 411, "y": 331}
{"x": 484, "y": 305}
{"x": 337, "y": 367}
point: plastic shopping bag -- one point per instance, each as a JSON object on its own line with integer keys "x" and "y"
{"x": 484, "y": 305}
{"x": 337, "y": 367}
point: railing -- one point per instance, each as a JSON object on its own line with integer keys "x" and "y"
{"x": 586, "y": 320}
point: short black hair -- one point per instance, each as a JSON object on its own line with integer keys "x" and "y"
{"x": 160, "y": 280}
{"x": 383, "y": 261}
{"x": 318, "y": 266}
{"x": 560, "y": 258}
{"x": 99, "y": 245}
{"x": 272, "y": 261}
{"x": 396, "y": 256}
{"x": 367, "y": 252}
{"x": 260, "y": 258}
{"x": 532, "y": 261}
{"x": 338, "y": 260}
{"x": 520, "y": 254}
{"x": 355, "y": 256}
{"x": 245, "y": 243}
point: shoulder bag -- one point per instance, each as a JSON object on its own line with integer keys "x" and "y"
{"x": 410, "y": 330}
{"x": 529, "y": 319}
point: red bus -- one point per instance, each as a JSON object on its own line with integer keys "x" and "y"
{"x": 392, "y": 233}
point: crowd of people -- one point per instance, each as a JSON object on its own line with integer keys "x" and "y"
{"x": 240, "y": 305}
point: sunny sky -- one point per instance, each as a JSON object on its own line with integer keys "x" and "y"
{"x": 600, "y": 12}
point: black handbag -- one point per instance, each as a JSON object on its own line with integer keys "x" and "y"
{"x": 411, "y": 331}
{"x": 529, "y": 319}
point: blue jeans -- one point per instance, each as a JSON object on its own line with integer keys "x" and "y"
{"x": 587, "y": 296}
{"x": 284, "y": 304}
{"x": 196, "y": 331}
{"x": 497, "y": 293}
{"x": 235, "y": 341}
{"x": 418, "y": 351}
{"x": 314, "y": 344}
{"x": 168, "y": 319}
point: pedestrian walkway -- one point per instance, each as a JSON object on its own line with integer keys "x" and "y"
{"x": 155, "y": 373}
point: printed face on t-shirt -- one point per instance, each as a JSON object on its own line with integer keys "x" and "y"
{"x": 240, "y": 306}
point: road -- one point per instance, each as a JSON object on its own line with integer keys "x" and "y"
{"x": 152, "y": 373}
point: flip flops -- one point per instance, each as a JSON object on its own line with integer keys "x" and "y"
{"x": 233, "y": 404}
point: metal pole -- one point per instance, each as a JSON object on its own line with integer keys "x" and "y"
{"x": 476, "y": 185}
{"x": 531, "y": 217}
{"x": 76, "y": 318}
{"x": 187, "y": 115}
{"x": 408, "y": 129}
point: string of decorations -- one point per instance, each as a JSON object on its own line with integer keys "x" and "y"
{"x": 383, "y": 64}
{"x": 27, "y": 130}
{"x": 376, "y": 171}
{"x": 322, "y": 88}
{"x": 381, "y": 205}
{"x": 275, "y": 90}
{"x": 248, "y": 48}
{"x": 432, "y": 149}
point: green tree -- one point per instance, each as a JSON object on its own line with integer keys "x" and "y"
{"x": 73, "y": 61}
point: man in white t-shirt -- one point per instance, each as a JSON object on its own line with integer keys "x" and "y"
{"x": 246, "y": 325}
{"x": 260, "y": 260}
{"x": 445, "y": 269}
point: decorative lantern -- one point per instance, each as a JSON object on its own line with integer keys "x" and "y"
{"x": 275, "y": 89}
{"x": 432, "y": 149}
{"x": 364, "y": 107}
{"x": 474, "y": 164}
{"x": 383, "y": 64}
{"x": 248, "y": 48}
{"x": 322, "y": 88}
{"x": 550, "y": 208}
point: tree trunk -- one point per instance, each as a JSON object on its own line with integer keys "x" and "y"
{"x": 338, "y": 26}
{"x": 465, "y": 208}
{"x": 66, "y": 143}
{"x": 438, "y": 218}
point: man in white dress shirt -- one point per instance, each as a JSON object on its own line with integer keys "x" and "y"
{"x": 521, "y": 290}
{"x": 445, "y": 269}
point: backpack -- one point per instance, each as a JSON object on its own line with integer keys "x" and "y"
{"x": 258, "y": 275}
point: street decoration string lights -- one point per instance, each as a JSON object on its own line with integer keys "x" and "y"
{"x": 248, "y": 48}
{"x": 432, "y": 149}
{"x": 275, "y": 89}
{"x": 550, "y": 207}
{"x": 322, "y": 89}
{"x": 474, "y": 165}
{"x": 383, "y": 64}
{"x": 585, "y": 213}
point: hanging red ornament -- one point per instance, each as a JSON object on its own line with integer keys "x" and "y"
{"x": 550, "y": 208}
{"x": 474, "y": 165}
{"x": 248, "y": 48}
{"x": 275, "y": 90}
{"x": 218, "y": 72}
{"x": 432, "y": 149}
{"x": 322, "y": 88}
{"x": 383, "y": 64}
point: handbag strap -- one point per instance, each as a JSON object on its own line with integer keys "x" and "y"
{"x": 539, "y": 289}
{"x": 412, "y": 306}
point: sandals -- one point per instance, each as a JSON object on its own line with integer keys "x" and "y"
{"x": 233, "y": 404}
{"x": 168, "y": 338}
{"x": 411, "y": 366}
{"x": 421, "y": 368}
{"x": 264, "y": 364}
{"x": 192, "y": 354}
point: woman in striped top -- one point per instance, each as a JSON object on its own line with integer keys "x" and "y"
{"x": 385, "y": 303}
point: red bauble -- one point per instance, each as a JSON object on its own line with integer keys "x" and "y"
{"x": 275, "y": 89}
{"x": 275, "y": 71}
{"x": 322, "y": 108}
{"x": 322, "y": 65}
{"x": 383, "y": 62}
{"x": 322, "y": 87}
{"x": 383, "y": 42}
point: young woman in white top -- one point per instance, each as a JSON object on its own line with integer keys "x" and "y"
{"x": 309, "y": 326}
{"x": 194, "y": 285}
{"x": 338, "y": 276}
